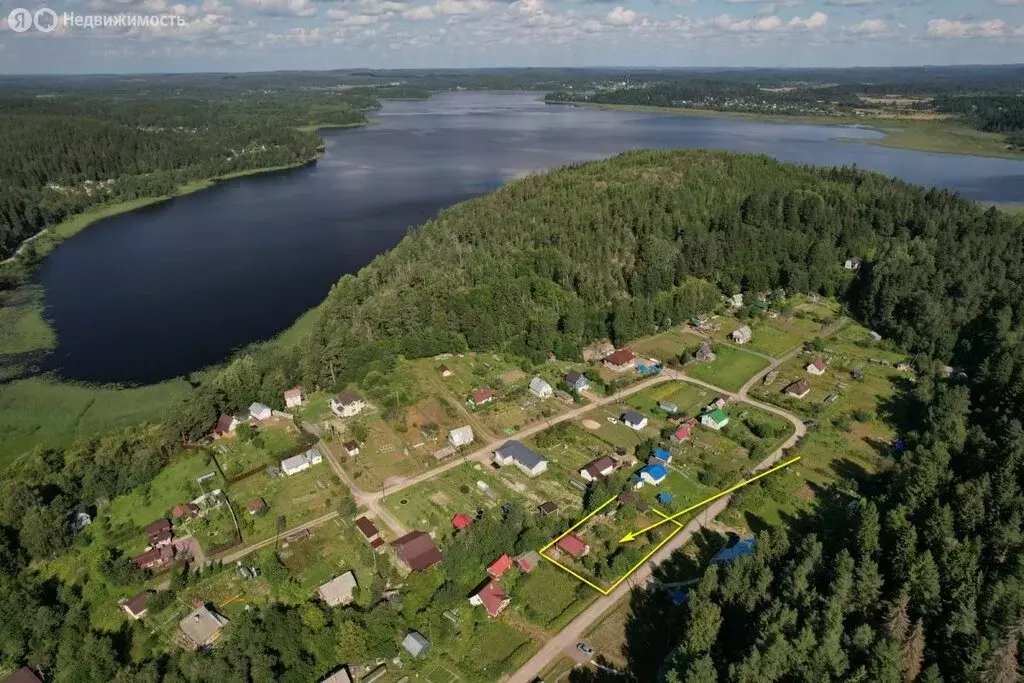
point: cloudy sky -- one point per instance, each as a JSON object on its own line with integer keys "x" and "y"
{"x": 251, "y": 35}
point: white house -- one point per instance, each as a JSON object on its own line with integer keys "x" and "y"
{"x": 597, "y": 469}
{"x": 259, "y": 411}
{"x": 347, "y": 404}
{"x": 515, "y": 453}
{"x": 715, "y": 419}
{"x": 338, "y": 591}
{"x": 540, "y": 388}
{"x": 817, "y": 367}
{"x": 301, "y": 462}
{"x": 852, "y": 263}
{"x": 742, "y": 335}
{"x": 634, "y": 420}
{"x": 294, "y": 397}
{"x": 462, "y": 436}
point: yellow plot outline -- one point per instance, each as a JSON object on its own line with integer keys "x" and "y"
{"x": 577, "y": 525}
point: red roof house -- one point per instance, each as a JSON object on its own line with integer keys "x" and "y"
{"x": 159, "y": 533}
{"x": 189, "y": 510}
{"x": 683, "y": 432}
{"x": 417, "y": 550}
{"x": 621, "y": 359}
{"x": 528, "y": 561}
{"x": 492, "y": 598}
{"x": 367, "y": 528}
{"x": 461, "y": 521}
{"x": 500, "y": 566}
{"x": 223, "y": 427}
{"x": 573, "y": 545}
{"x": 482, "y": 396}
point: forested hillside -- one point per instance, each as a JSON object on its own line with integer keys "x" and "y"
{"x": 65, "y": 153}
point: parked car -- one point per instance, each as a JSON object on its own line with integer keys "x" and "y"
{"x": 585, "y": 649}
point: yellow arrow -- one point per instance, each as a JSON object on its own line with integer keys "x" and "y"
{"x": 633, "y": 535}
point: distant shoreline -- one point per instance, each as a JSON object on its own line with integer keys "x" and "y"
{"x": 941, "y": 137}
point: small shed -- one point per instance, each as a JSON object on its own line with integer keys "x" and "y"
{"x": 415, "y": 644}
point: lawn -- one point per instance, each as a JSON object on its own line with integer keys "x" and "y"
{"x": 299, "y": 498}
{"x": 43, "y": 412}
{"x": 668, "y": 345}
{"x": 730, "y": 370}
{"x": 237, "y": 457}
{"x": 432, "y": 504}
{"x": 549, "y": 597}
{"x": 175, "y": 484}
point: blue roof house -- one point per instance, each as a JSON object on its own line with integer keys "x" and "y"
{"x": 743, "y": 548}
{"x": 662, "y": 455}
{"x": 653, "y": 474}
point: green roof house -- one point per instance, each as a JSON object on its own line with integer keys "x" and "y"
{"x": 715, "y": 419}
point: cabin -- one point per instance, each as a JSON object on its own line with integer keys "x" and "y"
{"x": 347, "y": 404}
{"x": 652, "y": 474}
{"x": 798, "y": 389}
{"x": 201, "y": 628}
{"x": 415, "y": 644}
{"x": 540, "y": 388}
{"x": 668, "y": 407}
{"x": 339, "y": 590}
{"x": 704, "y": 353}
{"x": 499, "y": 567}
{"x": 576, "y": 381}
{"x": 136, "y": 606}
{"x": 352, "y": 448}
{"x": 492, "y": 597}
{"x": 515, "y": 453}
{"x": 817, "y": 367}
{"x": 528, "y": 561}
{"x": 634, "y": 420}
{"x": 301, "y": 462}
{"x": 572, "y": 544}
{"x": 256, "y": 506}
{"x": 661, "y": 455}
{"x": 482, "y": 396}
{"x": 742, "y": 336}
{"x": 461, "y": 521}
{"x": 715, "y": 419}
{"x": 621, "y": 360}
{"x": 260, "y": 411}
{"x": 598, "y": 468}
{"x": 417, "y": 551}
{"x": 294, "y": 397}
{"x": 462, "y": 436}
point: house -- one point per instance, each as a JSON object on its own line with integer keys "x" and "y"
{"x": 682, "y": 432}
{"x": 415, "y": 644}
{"x": 540, "y": 388}
{"x": 256, "y": 506}
{"x": 135, "y": 607}
{"x": 338, "y": 591}
{"x": 528, "y": 561}
{"x": 445, "y": 371}
{"x": 576, "y": 381}
{"x": 482, "y": 396}
{"x": 668, "y": 407}
{"x": 417, "y": 551}
{"x": 547, "y": 508}
{"x": 597, "y": 469}
{"x": 301, "y": 462}
{"x": 347, "y": 404}
{"x": 159, "y": 533}
{"x": 367, "y": 528}
{"x": 339, "y": 676}
{"x": 461, "y": 436}
{"x": 653, "y": 474}
{"x": 260, "y": 411}
{"x": 742, "y": 335}
{"x": 226, "y": 424}
{"x": 187, "y": 510}
{"x": 620, "y": 360}
{"x": 634, "y": 420}
{"x": 720, "y": 402}
{"x": 662, "y": 455}
{"x": 294, "y": 397}
{"x": 742, "y": 548}
{"x": 734, "y": 301}
{"x": 352, "y": 448}
{"x": 23, "y": 675}
{"x": 491, "y": 597}
{"x": 499, "y": 567}
{"x": 515, "y": 453}
{"x": 798, "y": 389}
{"x": 715, "y": 419}
{"x": 817, "y": 367}
{"x": 632, "y": 499}
{"x": 202, "y": 627}
{"x": 572, "y": 544}
{"x": 852, "y": 263}
{"x": 155, "y": 558}
{"x": 461, "y": 521}
{"x": 704, "y": 353}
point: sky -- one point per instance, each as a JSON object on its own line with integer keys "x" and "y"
{"x": 262, "y": 35}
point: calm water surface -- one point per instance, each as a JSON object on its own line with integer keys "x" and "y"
{"x": 169, "y": 289}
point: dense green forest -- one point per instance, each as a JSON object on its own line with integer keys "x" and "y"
{"x": 921, "y": 577}
{"x": 65, "y": 153}
{"x": 994, "y": 113}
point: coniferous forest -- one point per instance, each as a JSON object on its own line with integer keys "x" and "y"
{"x": 921, "y": 577}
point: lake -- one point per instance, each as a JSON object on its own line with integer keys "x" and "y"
{"x": 171, "y": 288}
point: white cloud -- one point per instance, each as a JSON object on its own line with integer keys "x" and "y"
{"x": 281, "y": 8}
{"x": 869, "y": 27}
{"x": 460, "y": 6}
{"x": 419, "y": 13}
{"x": 815, "y": 21}
{"x": 621, "y": 16}
{"x": 1009, "y": 3}
{"x": 954, "y": 28}
{"x": 850, "y": 3}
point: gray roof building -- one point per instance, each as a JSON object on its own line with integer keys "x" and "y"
{"x": 338, "y": 591}
{"x": 415, "y": 644}
{"x": 514, "y": 452}
{"x": 202, "y": 626}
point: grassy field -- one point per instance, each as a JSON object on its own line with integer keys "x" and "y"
{"x": 22, "y": 327}
{"x": 730, "y": 369}
{"x": 298, "y": 498}
{"x": 949, "y": 137}
{"x": 43, "y": 412}
{"x": 175, "y": 484}
{"x": 668, "y": 345}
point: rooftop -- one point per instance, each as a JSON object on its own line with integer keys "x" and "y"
{"x": 520, "y": 453}
{"x": 202, "y": 626}
{"x": 338, "y": 591}
{"x": 417, "y": 550}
